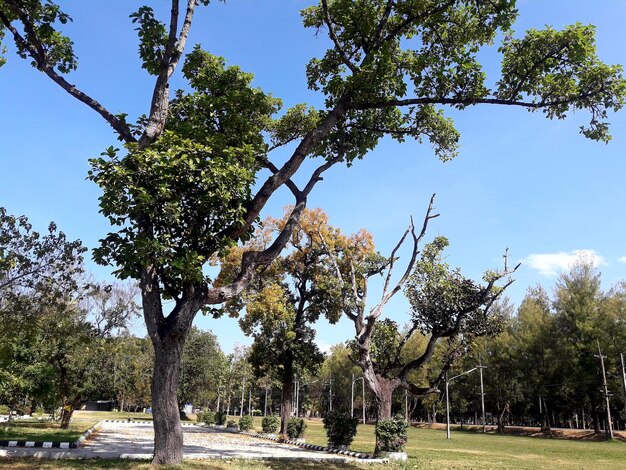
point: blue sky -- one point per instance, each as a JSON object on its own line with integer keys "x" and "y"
{"x": 523, "y": 182}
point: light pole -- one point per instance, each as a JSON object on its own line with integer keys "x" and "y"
{"x": 448, "y": 380}
{"x": 362, "y": 399}
{"x": 605, "y": 392}
{"x": 482, "y": 395}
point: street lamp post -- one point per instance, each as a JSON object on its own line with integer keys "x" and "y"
{"x": 448, "y": 380}
{"x": 352, "y": 396}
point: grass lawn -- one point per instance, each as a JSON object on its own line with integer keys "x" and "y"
{"x": 34, "y": 430}
{"x": 30, "y": 430}
{"x": 427, "y": 449}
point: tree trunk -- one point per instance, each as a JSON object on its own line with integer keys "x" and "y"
{"x": 596, "y": 420}
{"x": 383, "y": 396}
{"x": 286, "y": 398}
{"x": 502, "y": 417}
{"x": 168, "y": 432}
{"x": 66, "y": 415}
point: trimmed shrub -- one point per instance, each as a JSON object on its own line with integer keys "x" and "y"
{"x": 270, "y": 424}
{"x": 391, "y": 434}
{"x": 295, "y": 428}
{"x": 220, "y": 418}
{"x": 200, "y": 416}
{"x": 246, "y": 423}
{"x": 340, "y": 428}
{"x": 4, "y": 410}
{"x": 208, "y": 417}
{"x": 231, "y": 423}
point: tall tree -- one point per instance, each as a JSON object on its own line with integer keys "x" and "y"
{"x": 445, "y": 306}
{"x": 577, "y": 304}
{"x": 42, "y": 326}
{"x": 182, "y": 191}
{"x": 534, "y": 334}
{"x": 203, "y": 365}
{"x": 286, "y": 299}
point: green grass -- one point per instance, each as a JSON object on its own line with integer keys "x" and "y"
{"x": 23, "y": 430}
{"x": 427, "y": 449}
{"x": 35, "y": 430}
{"x": 30, "y": 464}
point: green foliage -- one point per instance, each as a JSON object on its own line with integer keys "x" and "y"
{"x": 46, "y": 266}
{"x": 4, "y": 410}
{"x": 204, "y": 163}
{"x": 152, "y": 39}
{"x": 443, "y": 300}
{"x": 287, "y": 297}
{"x": 231, "y": 423}
{"x": 220, "y": 418}
{"x": 202, "y": 369}
{"x": 429, "y": 51}
{"x": 561, "y": 68}
{"x": 246, "y": 423}
{"x": 391, "y": 434}
{"x": 340, "y": 428}
{"x": 208, "y": 417}
{"x": 270, "y": 424}
{"x": 296, "y": 428}
{"x": 56, "y": 50}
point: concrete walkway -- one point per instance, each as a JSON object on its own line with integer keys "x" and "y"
{"x": 135, "y": 441}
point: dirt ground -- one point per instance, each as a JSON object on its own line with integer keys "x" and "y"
{"x": 558, "y": 433}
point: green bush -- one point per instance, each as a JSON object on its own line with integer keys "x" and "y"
{"x": 4, "y": 410}
{"x": 340, "y": 428}
{"x": 231, "y": 423}
{"x": 208, "y": 417}
{"x": 391, "y": 434}
{"x": 39, "y": 413}
{"x": 246, "y": 423}
{"x": 220, "y": 418}
{"x": 270, "y": 424}
{"x": 200, "y": 416}
{"x": 295, "y": 428}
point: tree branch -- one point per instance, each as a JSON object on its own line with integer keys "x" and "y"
{"x": 416, "y": 240}
{"x": 252, "y": 259}
{"x": 290, "y": 167}
{"x": 464, "y": 102}
{"x": 333, "y": 36}
{"x": 37, "y": 52}
{"x": 160, "y": 96}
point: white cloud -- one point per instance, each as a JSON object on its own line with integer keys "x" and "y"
{"x": 323, "y": 345}
{"x": 622, "y": 259}
{"x": 550, "y": 264}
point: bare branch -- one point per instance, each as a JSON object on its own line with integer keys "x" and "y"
{"x": 37, "y": 52}
{"x": 274, "y": 169}
{"x": 416, "y": 240}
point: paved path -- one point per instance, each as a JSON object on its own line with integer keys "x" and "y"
{"x": 135, "y": 441}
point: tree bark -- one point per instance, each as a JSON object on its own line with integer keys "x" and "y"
{"x": 66, "y": 415}
{"x": 286, "y": 398}
{"x": 502, "y": 417}
{"x": 168, "y": 433}
{"x": 383, "y": 389}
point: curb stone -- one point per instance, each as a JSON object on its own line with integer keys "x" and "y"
{"x": 125, "y": 421}
{"x": 358, "y": 455}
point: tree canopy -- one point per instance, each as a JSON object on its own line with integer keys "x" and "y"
{"x": 198, "y": 168}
